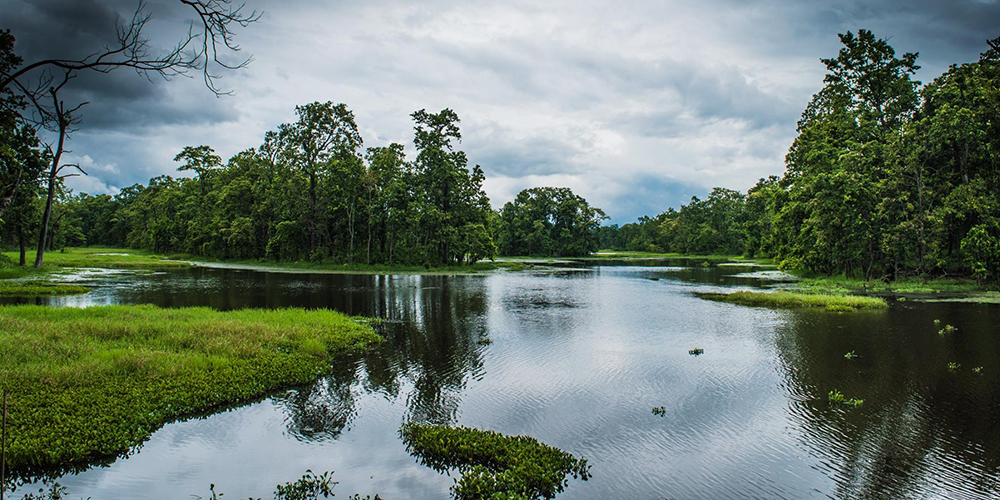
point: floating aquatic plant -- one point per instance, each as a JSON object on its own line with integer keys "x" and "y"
{"x": 946, "y": 330}
{"x": 978, "y": 370}
{"x": 660, "y": 411}
{"x": 953, "y": 366}
{"x": 697, "y": 351}
{"x": 836, "y": 396}
{"x": 851, "y": 355}
{"x": 492, "y": 465}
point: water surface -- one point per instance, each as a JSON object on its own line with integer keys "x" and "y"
{"x": 578, "y": 359}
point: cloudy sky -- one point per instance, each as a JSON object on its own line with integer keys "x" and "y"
{"x": 636, "y": 105}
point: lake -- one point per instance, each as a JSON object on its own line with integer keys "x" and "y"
{"x": 578, "y": 357}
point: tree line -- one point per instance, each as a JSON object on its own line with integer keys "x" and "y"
{"x": 311, "y": 192}
{"x": 885, "y": 179}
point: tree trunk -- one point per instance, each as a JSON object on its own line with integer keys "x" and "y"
{"x": 312, "y": 213}
{"x": 43, "y": 231}
{"x": 20, "y": 244}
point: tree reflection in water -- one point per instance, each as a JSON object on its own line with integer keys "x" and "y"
{"x": 430, "y": 352}
{"x": 918, "y": 419}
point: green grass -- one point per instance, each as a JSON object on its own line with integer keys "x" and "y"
{"x": 839, "y": 303}
{"x": 88, "y": 384}
{"x": 19, "y": 289}
{"x": 974, "y": 298}
{"x": 108, "y": 258}
{"x": 492, "y": 465}
{"x": 839, "y": 284}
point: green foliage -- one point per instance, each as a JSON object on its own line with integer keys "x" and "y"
{"x": 886, "y": 181}
{"x": 838, "y": 303}
{"x": 492, "y": 465}
{"x": 95, "y": 382}
{"x": 659, "y": 411}
{"x": 308, "y": 487}
{"x": 850, "y": 355}
{"x": 549, "y": 221}
{"x": 982, "y": 252}
{"x": 836, "y": 396}
{"x": 54, "y": 491}
{"x": 309, "y": 192}
{"x": 953, "y": 366}
{"x": 946, "y": 330}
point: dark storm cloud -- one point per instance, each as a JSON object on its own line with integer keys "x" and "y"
{"x": 635, "y": 104}
{"x": 121, "y": 100}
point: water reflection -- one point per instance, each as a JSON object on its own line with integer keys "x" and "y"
{"x": 930, "y": 432}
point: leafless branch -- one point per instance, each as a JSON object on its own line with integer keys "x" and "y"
{"x": 208, "y": 39}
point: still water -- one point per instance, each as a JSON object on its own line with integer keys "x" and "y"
{"x": 578, "y": 359}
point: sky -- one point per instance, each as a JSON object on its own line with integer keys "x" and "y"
{"x": 635, "y": 105}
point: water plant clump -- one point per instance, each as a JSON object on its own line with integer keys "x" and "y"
{"x": 697, "y": 351}
{"x": 836, "y": 396}
{"x": 850, "y": 355}
{"x": 484, "y": 341}
{"x": 953, "y": 366}
{"x": 839, "y": 303}
{"x": 92, "y": 383}
{"x": 493, "y": 465}
{"x": 660, "y": 411}
{"x": 947, "y": 330}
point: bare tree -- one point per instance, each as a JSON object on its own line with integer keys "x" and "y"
{"x": 204, "y": 49}
{"x": 201, "y": 50}
{"x": 66, "y": 119}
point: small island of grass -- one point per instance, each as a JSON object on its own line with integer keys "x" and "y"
{"x": 29, "y": 289}
{"x": 493, "y": 465}
{"x": 837, "y": 303}
{"x": 86, "y": 384}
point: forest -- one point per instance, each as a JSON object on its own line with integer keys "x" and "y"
{"x": 310, "y": 192}
{"x": 886, "y": 178}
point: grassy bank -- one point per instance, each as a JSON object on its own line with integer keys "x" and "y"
{"x": 95, "y": 382}
{"x": 838, "y": 284}
{"x": 19, "y": 289}
{"x": 107, "y": 258}
{"x": 841, "y": 303}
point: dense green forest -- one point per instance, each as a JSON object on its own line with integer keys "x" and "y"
{"x": 885, "y": 179}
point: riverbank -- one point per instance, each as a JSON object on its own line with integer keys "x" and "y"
{"x": 92, "y": 383}
{"x": 131, "y": 259}
{"x": 836, "y": 303}
{"x": 478, "y": 268}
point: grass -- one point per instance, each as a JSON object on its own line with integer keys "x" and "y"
{"x": 17, "y": 289}
{"x": 108, "y": 258}
{"x": 492, "y": 465}
{"x": 839, "y": 284}
{"x": 839, "y": 303}
{"x": 87, "y": 384}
